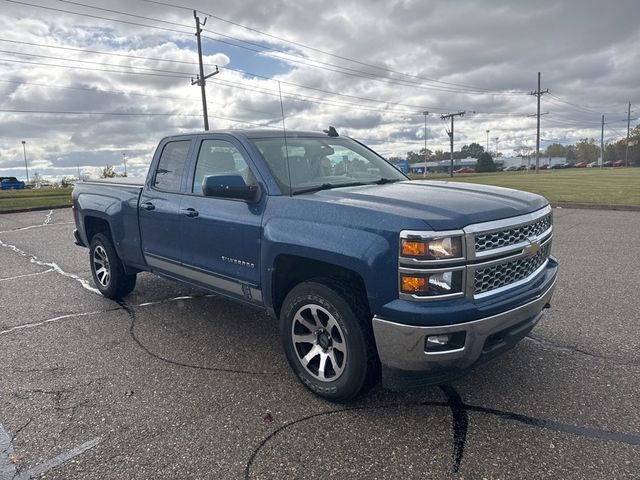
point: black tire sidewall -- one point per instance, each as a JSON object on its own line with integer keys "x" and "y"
{"x": 351, "y": 382}
{"x": 112, "y": 290}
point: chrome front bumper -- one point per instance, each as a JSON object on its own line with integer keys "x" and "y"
{"x": 402, "y": 347}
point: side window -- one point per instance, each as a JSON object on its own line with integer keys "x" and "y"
{"x": 218, "y": 157}
{"x": 171, "y": 165}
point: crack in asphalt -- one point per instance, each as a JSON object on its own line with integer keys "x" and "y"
{"x": 459, "y": 410}
{"x": 54, "y": 319}
{"x": 132, "y": 315}
{"x": 570, "y": 349}
{"x": 33, "y": 259}
{"x": 6, "y": 279}
{"x": 460, "y": 424}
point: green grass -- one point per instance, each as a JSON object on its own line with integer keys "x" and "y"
{"x": 609, "y": 186}
{"x": 11, "y": 200}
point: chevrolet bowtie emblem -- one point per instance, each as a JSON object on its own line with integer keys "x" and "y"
{"x": 532, "y": 248}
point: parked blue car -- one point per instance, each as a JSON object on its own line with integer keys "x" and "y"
{"x": 11, "y": 183}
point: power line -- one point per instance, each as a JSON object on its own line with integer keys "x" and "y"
{"x": 289, "y": 54}
{"x": 124, "y": 93}
{"x": 177, "y": 74}
{"x": 50, "y": 57}
{"x": 127, "y": 114}
{"x": 262, "y": 48}
{"x": 324, "y": 52}
{"x": 244, "y": 72}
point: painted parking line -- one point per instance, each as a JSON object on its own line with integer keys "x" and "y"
{"x": 25, "y": 275}
{"x": 9, "y": 470}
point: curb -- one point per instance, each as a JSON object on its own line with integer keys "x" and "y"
{"x": 596, "y": 206}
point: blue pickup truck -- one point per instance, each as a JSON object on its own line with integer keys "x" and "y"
{"x": 370, "y": 275}
{"x": 11, "y": 183}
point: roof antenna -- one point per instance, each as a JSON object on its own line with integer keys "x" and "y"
{"x": 286, "y": 147}
{"x": 332, "y": 132}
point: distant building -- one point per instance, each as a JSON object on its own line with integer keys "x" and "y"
{"x": 529, "y": 161}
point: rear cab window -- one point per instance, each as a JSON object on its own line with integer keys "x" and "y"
{"x": 171, "y": 166}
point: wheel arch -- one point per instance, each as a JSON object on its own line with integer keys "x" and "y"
{"x": 291, "y": 270}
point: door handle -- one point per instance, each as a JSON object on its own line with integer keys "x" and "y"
{"x": 148, "y": 206}
{"x": 189, "y": 212}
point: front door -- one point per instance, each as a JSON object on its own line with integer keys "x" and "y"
{"x": 221, "y": 237}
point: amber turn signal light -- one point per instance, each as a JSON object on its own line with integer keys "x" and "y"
{"x": 414, "y": 284}
{"x": 414, "y": 249}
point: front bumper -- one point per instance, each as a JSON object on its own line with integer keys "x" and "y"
{"x": 402, "y": 348}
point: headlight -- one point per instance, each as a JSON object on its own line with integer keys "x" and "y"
{"x": 439, "y": 249}
{"x": 431, "y": 284}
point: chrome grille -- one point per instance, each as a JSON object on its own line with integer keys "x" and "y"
{"x": 512, "y": 235}
{"x": 496, "y": 276}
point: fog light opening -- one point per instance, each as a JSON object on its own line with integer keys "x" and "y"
{"x": 444, "y": 342}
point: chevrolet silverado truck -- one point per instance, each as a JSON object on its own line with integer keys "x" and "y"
{"x": 369, "y": 274}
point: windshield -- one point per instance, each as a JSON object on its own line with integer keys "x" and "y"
{"x": 316, "y": 163}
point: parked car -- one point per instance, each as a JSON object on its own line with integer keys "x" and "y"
{"x": 592, "y": 164}
{"x": 465, "y": 170}
{"x": 11, "y": 183}
{"x": 618, "y": 163}
{"x": 511, "y": 168}
{"x": 581, "y": 165}
{"x": 366, "y": 271}
{"x": 558, "y": 166}
{"x": 608, "y": 163}
{"x": 544, "y": 166}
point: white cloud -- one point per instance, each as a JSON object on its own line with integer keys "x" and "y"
{"x": 588, "y": 56}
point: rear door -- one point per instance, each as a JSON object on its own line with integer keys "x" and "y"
{"x": 221, "y": 237}
{"x": 160, "y": 218}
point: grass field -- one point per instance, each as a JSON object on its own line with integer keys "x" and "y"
{"x": 609, "y": 186}
{"x": 11, "y": 200}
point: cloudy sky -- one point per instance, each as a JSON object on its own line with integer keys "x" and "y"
{"x": 84, "y": 82}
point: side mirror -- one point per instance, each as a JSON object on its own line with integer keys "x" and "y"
{"x": 228, "y": 186}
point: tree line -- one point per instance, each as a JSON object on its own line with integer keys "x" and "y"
{"x": 585, "y": 150}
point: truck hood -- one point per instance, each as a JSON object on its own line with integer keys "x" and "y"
{"x": 442, "y": 205}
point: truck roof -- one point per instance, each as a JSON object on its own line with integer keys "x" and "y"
{"x": 257, "y": 133}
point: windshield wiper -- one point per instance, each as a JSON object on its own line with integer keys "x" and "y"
{"x": 383, "y": 180}
{"x": 328, "y": 186}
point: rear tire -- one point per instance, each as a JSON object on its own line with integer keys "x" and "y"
{"x": 327, "y": 338}
{"x": 107, "y": 269}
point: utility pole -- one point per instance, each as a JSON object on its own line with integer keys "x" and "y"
{"x": 201, "y": 79}
{"x": 26, "y": 166}
{"x": 496, "y": 139}
{"x": 124, "y": 159}
{"x": 626, "y": 153}
{"x": 538, "y": 93}
{"x": 602, "y": 143}
{"x": 488, "y": 140}
{"x": 425, "y": 113}
{"x": 451, "y": 116}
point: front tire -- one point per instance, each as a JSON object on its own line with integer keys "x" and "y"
{"x": 327, "y": 338}
{"x": 107, "y": 269}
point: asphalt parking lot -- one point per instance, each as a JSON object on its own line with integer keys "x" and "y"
{"x": 176, "y": 383}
